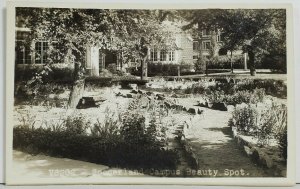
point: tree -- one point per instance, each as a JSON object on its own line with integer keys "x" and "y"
{"x": 74, "y": 29}
{"x": 256, "y": 31}
{"x": 147, "y": 30}
{"x": 253, "y": 29}
{"x": 199, "y": 20}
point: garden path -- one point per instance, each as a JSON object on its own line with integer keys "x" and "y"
{"x": 214, "y": 147}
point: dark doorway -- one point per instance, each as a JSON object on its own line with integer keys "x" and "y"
{"x": 110, "y": 58}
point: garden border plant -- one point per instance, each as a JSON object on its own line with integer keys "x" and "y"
{"x": 130, "y": 145}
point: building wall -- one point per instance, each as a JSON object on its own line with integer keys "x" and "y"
{"x": 185, "y": 49}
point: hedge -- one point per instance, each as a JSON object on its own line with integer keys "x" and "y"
{"x": 93, "y": 149}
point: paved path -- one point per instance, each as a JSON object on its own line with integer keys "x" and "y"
{"x": 212, "y": 142}
{"x": 213, "y": 145}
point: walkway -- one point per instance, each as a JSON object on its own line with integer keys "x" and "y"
{"x": 211, "y": 141}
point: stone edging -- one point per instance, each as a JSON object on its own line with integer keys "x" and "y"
{"x": 258, "y": 156}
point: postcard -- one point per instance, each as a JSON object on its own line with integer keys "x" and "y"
{"x": 191, "y": 94}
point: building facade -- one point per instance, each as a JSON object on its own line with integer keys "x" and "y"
{"x": 187, "y": 51}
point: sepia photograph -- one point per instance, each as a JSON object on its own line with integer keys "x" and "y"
{"x": 109, "y": 95}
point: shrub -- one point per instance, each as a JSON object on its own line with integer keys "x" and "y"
{"x": 112, "y": 68}
{"x": 198, "y": 88}
{"x": 98, "y": 82}
{"x": 272, "y": 87}
{"x": 245, "y": 97}
{"x": 238, "y": 97}
{"x": 245, "y": 119}
{"x": 56, "y": 72}
{"x": 223, "y": 62}
{"x": 264, "y": 123}
{"x": 115, "y": 143}
{"x": 283, "y": 143}
{"x": 275, "y": 62}
{"x": 76, "y": 125}
{"x": 109, "y": 128}
{"x": 164, "y": 69}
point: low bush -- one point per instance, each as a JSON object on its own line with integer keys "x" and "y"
{"x": 244, "y": 119}
{"x": 264, "y": 123}
{"x": 223, "y": 62}
{"x": 238, "y": 97}
{"x": 112, "y": 68}
{"x": 98, "y": 81}
{"x": 283, "y": 143}
{"x": 125, "y": 82}
{"x": 271, "y": 87}
{"x": 165, "y": 69}
{"x": 57, "y": 72}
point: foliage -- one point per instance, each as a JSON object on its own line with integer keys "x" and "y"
{"x": 120, "y": 140}
{"x": 165, "y": 69}
{"x": 93, "y": 82}
{"x": 198, "y": 88}
{"x": 109, "y": 128}
{"x": 56, "y": 72}
{"x": 275, "y": 88}
{"x": 244, "y": 119}
{"x": 237, "y": 97}
{"x": 259, "y": 32}
{"x": 112, "y": 68}
{"x": 245, "y": 97}
{"x": 223, "y": 62}
{"x": 271, "y": 87}
{"x": 131, "y": 32}
{"x": 76, "y": 125}
{"x": 264, "y": 123}
{"x": 283, "y": 143}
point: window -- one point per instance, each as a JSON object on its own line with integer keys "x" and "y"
{"x": 41, "y": 48}
{"x": 195, "y": 45}
{"x": 153, "y": 55}
{"x": 101, "y": 59}
{"x": 23, "y": 55}
{"x": 205, "y": 32}
{"x": 163, "y": 55}
{"x": 195, "y": 57}
{"x": 218, "y": 38}
{"x": 171, "y": 55}
{"x": 206, "y": 45}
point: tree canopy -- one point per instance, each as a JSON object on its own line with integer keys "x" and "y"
{"x": 129, "y": 31}
{"x": 259, "y": 32}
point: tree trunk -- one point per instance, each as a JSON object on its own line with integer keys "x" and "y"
{"x": 206, "y": 67}
{"x": 142, "y": 69}
{"x": 76, "y": 93}
{"x": 231, "y": 63}
{"x": 146, "y": 67}
{"x": 78, "y": 86}
{"x": 251, "y": 62}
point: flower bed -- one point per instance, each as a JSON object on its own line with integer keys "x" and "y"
{"x": 261, "y": 131}
{"x": 120, "y": 140}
